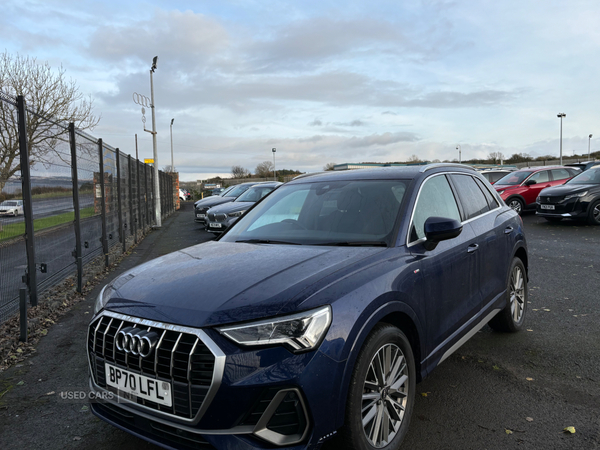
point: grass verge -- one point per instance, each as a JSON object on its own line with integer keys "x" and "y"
{"x": 17, "y": 229}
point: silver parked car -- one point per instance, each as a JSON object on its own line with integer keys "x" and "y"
{"x": 11, "y": 208}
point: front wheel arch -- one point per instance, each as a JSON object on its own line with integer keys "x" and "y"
{"x": 396, "y": 313}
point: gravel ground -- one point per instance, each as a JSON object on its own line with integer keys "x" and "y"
{"x": 496, "y": 392}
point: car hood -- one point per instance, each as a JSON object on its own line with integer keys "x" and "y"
{"x": 565, "y": 189}
{"x": 221, "y": 282}
{"x": 231, "y": 207}
{"x": 502, "y": 187}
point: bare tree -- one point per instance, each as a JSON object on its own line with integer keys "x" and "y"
{"x": 264, "y": 169}
{"x": 329, "y": 166}
{"x": 51, "y": 100}
{"x": 414, "y": 159}
{"x": 239, "y": 172}
{"x": 496, "y": 157}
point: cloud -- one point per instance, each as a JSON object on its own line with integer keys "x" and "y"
{"x": 382, "y": 139}
{"x": 188, "y": 38}
{"x": 316, "y": 123}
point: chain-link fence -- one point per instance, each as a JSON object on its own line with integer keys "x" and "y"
{"x": 78, "y": 203}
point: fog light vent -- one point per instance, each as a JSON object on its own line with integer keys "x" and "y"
{"x": 285, "y": 420}
{"x": 289, "y": 417}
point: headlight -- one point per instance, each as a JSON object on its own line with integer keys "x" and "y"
{"x": 537, "y": 200}
{"x": 104, "y": 296}
{"x": 301, "y": 331}
{"x": 500, "y": 192}
{"x": 236, "y": 214}
{"x": 579, "y": 194}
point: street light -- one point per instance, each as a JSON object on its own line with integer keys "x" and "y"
{"x": 459, "y": 153}
{"x": 589, "y": 144}
{"x": 157, "y": 211}
{"x": 172, "y": 166}
{"x": 560, "y": 116}
{"x": 274, "y": 171}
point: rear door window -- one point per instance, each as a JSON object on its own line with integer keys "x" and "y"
{"x": 560, "y": 174}
{"x": 472, "y": 199}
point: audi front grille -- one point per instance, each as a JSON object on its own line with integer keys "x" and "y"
{"x": 181, "y": 357}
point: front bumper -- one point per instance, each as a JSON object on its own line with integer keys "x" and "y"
{"x": 571, "y": 208}
{"x": 257, "y": 398}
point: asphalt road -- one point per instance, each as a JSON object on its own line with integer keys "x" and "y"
{"x": 496, "y": 392}
{"x": 50, "y": 207}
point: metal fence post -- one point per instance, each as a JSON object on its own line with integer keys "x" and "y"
{"x": 30, "y": 277}
{"x": 104, "y": 238}
{"x": 119, "y": 205}
{"x": 139, "y": 203}
{"x": 78, "y": 254}
{"x": 133, "y": 218}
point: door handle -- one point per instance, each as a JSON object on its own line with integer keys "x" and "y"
{"x": 471, "y": 248}
{"x": 508, "y": 230}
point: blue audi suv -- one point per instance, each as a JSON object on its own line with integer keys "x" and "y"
{"x": 313, "y": 317}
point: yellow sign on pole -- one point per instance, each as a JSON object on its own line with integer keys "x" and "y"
{"x": 148, "y": 161}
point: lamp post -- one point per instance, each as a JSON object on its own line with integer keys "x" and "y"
{"x": 589, "y": 146}
{"x": 274, "y": 170}
{"x": 157, "y": 211}
{"x": 459, "y": 153}
{"x": 560, "y": 116}
{"x": 172, "y": 165}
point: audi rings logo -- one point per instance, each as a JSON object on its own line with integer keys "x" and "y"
{"x": 136, "y": 341}
{"x": 141, "y": 100}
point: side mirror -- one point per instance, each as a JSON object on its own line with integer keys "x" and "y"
{"x": 530, "y": 182}
{"x": 439, "y": 229}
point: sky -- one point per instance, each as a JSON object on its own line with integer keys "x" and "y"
{"x": 324, "y": 81}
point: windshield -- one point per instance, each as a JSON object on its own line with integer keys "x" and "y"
{"x": 9, "y": 203}
{"x": 236, "y": 191}
{"x": 254, "y": 194}
{"x": 361, "y": 212}
{"x": 590, "y": 176}
{"x": 512, "y": 179}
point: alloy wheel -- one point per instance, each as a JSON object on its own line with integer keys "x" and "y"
{"x": 517, "y": 294}
{"x": 596, "y": 213}
{"x": 516, "y": 206}
{"x": 385, "y": 395}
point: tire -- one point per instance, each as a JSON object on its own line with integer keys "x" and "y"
{"x": 594, "y": 213}
{"x": 553, "y": 219}
{"x": 379, "y": 398}
{"x": 515, "y": 204}
{"x": 511, "y": 318}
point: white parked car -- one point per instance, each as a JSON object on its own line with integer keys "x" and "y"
{"x": 11, "y": 208}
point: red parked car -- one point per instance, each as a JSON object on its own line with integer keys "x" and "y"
{"x": 520, "y": 189}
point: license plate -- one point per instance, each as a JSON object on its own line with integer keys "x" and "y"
{"x": 214, "y": 225}
{"x": 200, "y": 216}
{"x": 547, "y": 206}
{"x": 139, "y": 385}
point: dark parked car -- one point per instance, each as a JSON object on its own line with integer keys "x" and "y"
{"x": 493, "y": 175}
{"x": 221, "y": 217}
{"x": 520, "y": 189}
{"x": 578, "y": 198}
{"x": 583, "y": 166}
{"x": 216, "y": 191}
{"x": 202, "y": 206}
{"x": 314, "y": 316}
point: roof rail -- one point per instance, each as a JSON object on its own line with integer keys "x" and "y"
{"x": 436, "y": 165}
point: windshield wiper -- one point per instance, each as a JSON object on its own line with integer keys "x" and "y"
{"x": 265, "y": 241}
{"x": 356, "y": 244}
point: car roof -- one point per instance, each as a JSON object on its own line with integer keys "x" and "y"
{"x": 382, "y": 173}
{"x": 538, "y": 168}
